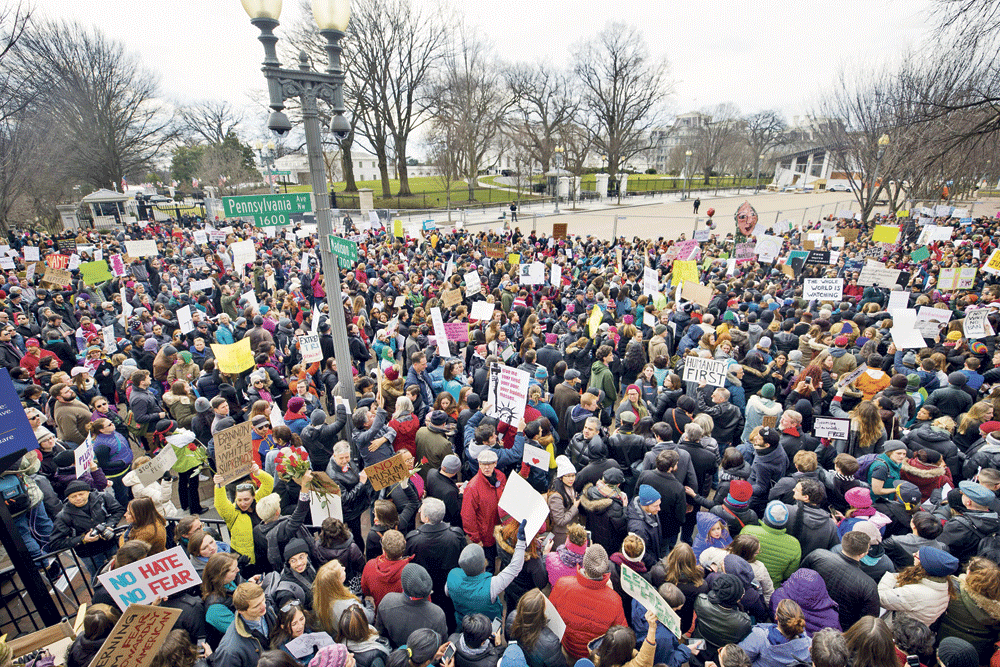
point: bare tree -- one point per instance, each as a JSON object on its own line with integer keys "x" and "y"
{"x": 623, "y": 89}
{"x": 15, "y": 91}
{"x": 210, "y": 121}
{"x": 712, "y": 138}
{"x": 98, "y": 98}
{"x": 763, "y": 131}
{"x": 576, "y": 140}
{"x": 469, "y": 105}
{"x": 543, "y": 105}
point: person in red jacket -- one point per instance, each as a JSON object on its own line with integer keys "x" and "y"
{"x": 381, "y": 575}
{"x": 586, "y": 602}
{"x": 480, "y": 514}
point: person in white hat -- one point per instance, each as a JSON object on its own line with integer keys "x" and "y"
{"x": 564, "y": 503}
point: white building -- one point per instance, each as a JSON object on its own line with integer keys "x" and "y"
{"x": 365, "y": 168}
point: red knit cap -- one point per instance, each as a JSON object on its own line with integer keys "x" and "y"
{"x": 741, "y": 490}
{"x": 989, "y": 427}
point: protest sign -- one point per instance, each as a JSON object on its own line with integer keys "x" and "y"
{"x": 992, "y": 265}
{"x": 522, "y": 502}
{"x": 308, "y": 643}
{"x": 650, "y": 281}
{"x": 440, "y": 335}
{"x": 31, "y": 254}
{"x": 559, "y": 230}
{"x": 820, "y": 257}
{"x": 457, "y": 331}
{"x": 920, "y": 254}
{"x": 56, "y": 261}
{"x": 905, "y": 338}
{"x": 745, "y": 252}
{"x": 74, "y": 262}
{"x": 850, "y": 235}
{"x": 184, "y": 321}
{"x": 831, "y": 427}
{"x": 594, "y": 322}
{"x": 702, "y": 235}
{"x": 153, "y": 470}
{"x": 976, "y": 325}
{"x": 685, "y": 270}
{"x": 388, "y": 472}
{"x": 473, "y": 284}
{"x": 326, "y": 505}
{"x": 768, "y": 248}
{"x": 885, "y": 234}
{"x": 141, "y": 248}
{"x": 644, "y": 593}
{"x": 234, "y": 451}
{"x": 83, "y": 457}
{"x": 482, "y": 310}
{"x": 649, "y": 320}
{"x": 898, "y": 299}
{"x": 16, "y": 434}
{"x": 451, "y": 298}
{"x": 310, "y": 348}
{"x": 235, "y": 357}
{"x": 108, "y": 334}
{"x": 156, "y": 576}
{"x": 244, "y": 252}
{"x": 709, "y": 371}
{"x": 553, "y": 621}
{"x": 495, "y": 250}
{"x": 137, "y": 636}
{"x": 205, "y": 284}
{"x": 697, "y": 293}
{"x": 117, "y": 266}
{"x": 58, "y": 277}
{"x": 845, "y": 380}
{"x": 95, "y": 272}
{"x": 877, "y": 275}
{"x": 555, "y": 276}
{"x": 824, "y": 289}
{"x": 514, "y": 258}
{"x": 7, "y": 263}
{"x": 537, "y": 457}
{"x": 930, "y": 320}
{"x": 686, "y": 249}
{"x": 509, "y": 390}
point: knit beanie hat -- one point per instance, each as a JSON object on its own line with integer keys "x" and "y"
{"x": 76, "y": 486}
{"x": 451, "y": 464}
{"x": 416, "y": 581}
{"x": 318, "y": 417}
{"x": 41, "y": 433}
{"x": 648, "y": 495}
{"x": 472, "y": 560}
{"x": 776, "y": 514}
{"x": 861, "y": 500}
{"x": 169, "y": 350}
{"x": 767, "y": 391}
{"x": 294, "y": 548}
{"x": 564, "y": 466}
{"x": 295, "y": 403}
{"x": 912, "y": 381}
{"x": 202, "y": 404}
{"x": 185, "y": 357}
{"x": 331, "y": 655}
{"x": 937, "y": 563}
{"x": 740, "y": 492}
{"x": 726, "y": 590}
{"x": 955, "y": 652}
{"x": 595, "y": 562}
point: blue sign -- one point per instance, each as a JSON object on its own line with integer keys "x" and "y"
{"x": 429, "y": 225}
{"x": 965, "y": 221}
{"x": 16, "y": 434}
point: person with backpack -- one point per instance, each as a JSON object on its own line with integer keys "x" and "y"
{"x": 883, "y": 471}
{"x": 24, "y": 499}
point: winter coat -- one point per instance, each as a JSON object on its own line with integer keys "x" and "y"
{"x": 381, "y": 576}
{"x": 605, "y": 516}
{"x": 319, "y": 440}
{"x": 588, "y": 608}
{"x": 436, "y": 547}
{"x": 812, "y": 526}
{"x": 160, "y": 492}
{"x": 532, "y": 574}
{"x": 563, "y": 561}
{"x": 547, "y": 651}
{"x": 719, "y": 625}
{"x": 73, "y": 523}
{"x": 181, "y": 409}
{"x": 347, "y": 552}
{"x": 951, "y": 400}
{"x": 406, "y": 429}
{"x": 926, "y": 477}
{"x": 806, "y": 587}
{"x": 646, "y": 526}
{"x": 855, "y": 593}
{"x": 962, "y": 533}
{"x": 779, "y": 552}
{"x": 398, "y": 616}
{"x": 560, "y": 516}
{"x": 702, "y": 541}
{"x": 757, "y": 409}
{"x": 480, "y": 514}
{"x": 767, "y": 468}
{"x": 240, "y": 523}
{"x": 355, "y": 497}
{"x": 601, "y": 377}
{"x": 241, "y": 646}
{"x": 445, "y": 489}
{"x": 974, "y": 618}
{"x": 926, "y": 600}
{"x": 767, "y": 647}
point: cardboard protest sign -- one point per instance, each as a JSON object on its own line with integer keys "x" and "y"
{"x": 457, "y": 331}
{"x": 823, "y": 289}
{"x": 831, "y": 427}
{"x": 495, "y": 250}
{"x": 559, "y": 230}
{"x": 850, "y": 235}
{"x": 482, "y": 310}
{"x": 153, "y": 577}
{"x": 234, "y": 451}
{"x": 976, "y": 325}
{"x": 388, "y": 472}
{"x": 235, "y": 357}
{"x": 83, "y": 457}
{"x": 155, "y": 469}
{"x": 537, "y": 457}
{"x": 59, "y": 277}
{"x": 643, "y": 592}
{"x": 451, "y": 298}
{"x": 522, "y": 502}
{"x": 700, "y": 294}
{"x": 710, "y": 371}
{"x": 141, "y": 248}
{"x": 137, "y": 637}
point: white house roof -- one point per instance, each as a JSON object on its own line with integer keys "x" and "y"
{"x": 104, "y": 196}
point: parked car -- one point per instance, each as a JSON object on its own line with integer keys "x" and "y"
{"x": 838, "y": 187}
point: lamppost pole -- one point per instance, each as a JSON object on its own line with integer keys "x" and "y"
{"x": 687, "y": 176}
{"x": 756, "y": 187}
{"x": 332, "y": 17}
{"x": 559, "y": 154}
{"x": 883, "y": 141}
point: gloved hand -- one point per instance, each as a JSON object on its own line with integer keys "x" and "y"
{"x": 521, "y": 532}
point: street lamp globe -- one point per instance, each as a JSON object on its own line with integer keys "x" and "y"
{"x": 258, "y": 145}
{"x": 332, "y": 14}
{"x": 270, "y": 145}
{"x": 883, "y": 140}
{"x": 262, "y": 9}
{"x": 688, "y": 153}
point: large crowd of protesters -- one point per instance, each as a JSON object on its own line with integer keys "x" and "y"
{"x": 773, "y": 546}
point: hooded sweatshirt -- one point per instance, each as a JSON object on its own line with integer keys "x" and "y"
{"x": 806, "y": 587}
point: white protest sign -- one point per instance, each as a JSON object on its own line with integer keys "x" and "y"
{"x": 930, "y": 320}
{"x": 904, "y": 317}
{"x": 146, "y": 580}
{"x": 710, "y": 371}
{"x": 29, "y": 271}
{"x": 482, "y": 310}
{"x": 250, "y": 298}
{"x": 6, "y": 263}
{"x": 184, "y": 321}
{"x": 307, "y": 644}
{"x": 907, "y": 339}
{"x": 649, "y": 320}
{"x": 31, "y": 254}
{"x": 877, "y": 275}
{"x": 141, "y": 248}
{"x": 537, "y": 457}
{"x": 83, "y": 456}
{"x": 556, "y": 276}
{"x": 510, "y": 389}
{"x": 201, "y": 284}
{"x": 275, "y": 416}
{"x": 553, "y": 621}
{"x": 109, "y": 338}
{"x": 201, "y": 237}
{"x": 153, "y": 470}
{"x": 524, "y": 503}
{"x": 768, "y": 248}
{"x": 831, "y": 427}
{"x": 702, "y": 235}
{"x": 243, "y": 252}
{"x": 473, "y": 284}
{"x": 310, "y": 348}
{"x": 648, "y": 597}
{"x": 323, "y": 506}
{"x": 898, "y": 299}
{"x": 845, "y": 380}
{"x": 650, "y": 281}
{"x": 439, "y": 333}
{"x": 975, "y": 325}
{"x": 823, "y": 289}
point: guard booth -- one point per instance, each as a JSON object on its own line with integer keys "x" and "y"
{"x": 108, "y": 208}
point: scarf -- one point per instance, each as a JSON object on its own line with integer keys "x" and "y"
{"x": 569, "y": 558}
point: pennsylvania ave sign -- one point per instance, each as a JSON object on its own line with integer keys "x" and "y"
{"x": 268, "y": 210}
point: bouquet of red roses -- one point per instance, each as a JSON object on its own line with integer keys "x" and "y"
{"x": 291, "y": 463}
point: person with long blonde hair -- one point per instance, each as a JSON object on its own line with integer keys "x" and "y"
{"x": 968, "y": 424}
{"x": 331, "y": 598}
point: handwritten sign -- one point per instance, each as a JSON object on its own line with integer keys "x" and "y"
{"x": 457, "y": 331}
{"x": 845, "y": 380}
{"x": 155, "y": 469}
{"x": 153, "y": 577}
{"x": 701, "y": 294}
{"x": 235, "y": 357}
{"x": 137, "y": 637}
{"x": 57, "y": 277}
{"x": 234, "y": 451}
{"x": 511, "y": 394}
{"x": 83, "y": 457}
{"x": 648, "y": 597}
{"x": 745, "y": 252}
{"x": 824, "y": 289}
{"x": 141, "y": 248}
{"x": 878, "y": 275}
{"x": 537, "y": 457}
{"x": 310, "y": 348}
{"x": 451, "y": 298}
{"x": 473, "y": 284}
{"x": 976, "y": 325}
{"x": 559, "y": 230}
{"x": 831, "y": 427}
{"x": 685, "y": 270}
{"x": 709, "y": 371}
{"x": 495, "y": 250}
{"x": 482, "y": 310}
{"x": 388, "y": 472}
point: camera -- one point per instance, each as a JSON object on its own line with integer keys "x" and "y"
{"x": 340, "y": 127}
{"x": 103, "y": 531}
{"x": 278, "y": 123}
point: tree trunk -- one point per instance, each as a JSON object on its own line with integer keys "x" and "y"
{"x": 404, "y": 177}
{"x": 350, "y": 185}
{"x": 383, "y": 171}
{"x": 708, "y": 175}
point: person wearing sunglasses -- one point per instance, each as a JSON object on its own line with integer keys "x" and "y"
{"x": 240, "y": 514}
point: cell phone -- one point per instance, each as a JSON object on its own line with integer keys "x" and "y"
{"x": 496, "y": 625}
{"x": 696, "y": 644}
{"x": 448, "y": 653}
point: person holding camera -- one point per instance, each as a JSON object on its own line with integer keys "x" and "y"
{"x": 86, "y": 524}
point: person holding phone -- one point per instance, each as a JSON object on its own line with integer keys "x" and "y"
{"x": 617, "y": 646}
{"x": 479, "y": 643}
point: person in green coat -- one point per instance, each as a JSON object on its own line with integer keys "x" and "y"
{"x": 601, "y": 377}
{"x": 779, "y": 552}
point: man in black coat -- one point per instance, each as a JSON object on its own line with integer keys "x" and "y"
{"x": 673, "y": 501}
{"x": 441, "y": 484}
{"x": 728, "y": 418}
{"x": 854, "y": 591}
{"x": 436, "y": 546}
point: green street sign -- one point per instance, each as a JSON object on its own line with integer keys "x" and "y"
{"x": 346, "y": 251}
{"x": 268, "y": 210}
{"x": 281, "y": 172}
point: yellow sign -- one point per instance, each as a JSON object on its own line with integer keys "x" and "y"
{"x": 685, "y": 270}
{"x": 397, "y": 229}
{"x": 885, "y": 234}
{"x": 902, "y": 214}
{"x": 234, "y": 358}
{"x": 596, "y": 315}
{"x": 514, "y": 258}
{"x": 993, "y": 264}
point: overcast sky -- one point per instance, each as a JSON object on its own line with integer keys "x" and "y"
{"x": 759, "y": 55}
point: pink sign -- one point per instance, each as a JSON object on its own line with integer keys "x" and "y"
{"x": 745, "y": 252}
{"x": 117, "y": 266}
{"x": 457, "y": 331}
{"x": 686, "y": 249}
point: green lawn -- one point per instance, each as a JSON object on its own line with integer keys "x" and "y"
{"x": 656, "y": 182}
{"x": 428, "y": 192}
